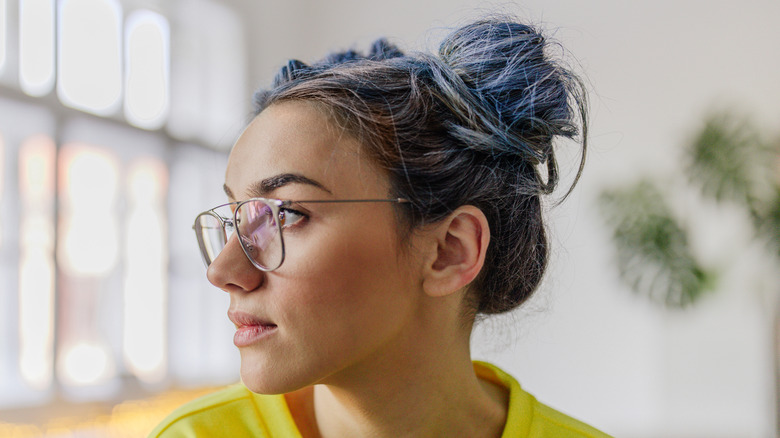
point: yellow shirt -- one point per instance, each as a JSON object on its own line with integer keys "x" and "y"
{"x": 236, "y": 412}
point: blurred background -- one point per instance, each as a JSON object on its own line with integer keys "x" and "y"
{"x": 115, "y": 122}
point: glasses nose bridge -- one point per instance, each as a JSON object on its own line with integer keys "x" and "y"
{"x": 225, "y": 221}
{"x": 228, "y": 224}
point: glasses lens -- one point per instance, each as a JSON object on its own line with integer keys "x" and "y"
{"x": 260, "y": 234}
{"x": 211, "y": 236}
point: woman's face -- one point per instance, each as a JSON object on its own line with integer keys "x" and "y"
{"x": 346, "y": 292}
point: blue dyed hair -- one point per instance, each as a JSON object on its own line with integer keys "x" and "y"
{"x": 472, "y": 125}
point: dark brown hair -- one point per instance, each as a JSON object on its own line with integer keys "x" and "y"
{"x": 471, "y": 126}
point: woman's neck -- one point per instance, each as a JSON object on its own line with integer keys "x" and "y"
{"x": 432, "y": 406}
{"x": 432, "y": 391}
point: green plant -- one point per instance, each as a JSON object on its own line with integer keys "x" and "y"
{"x": 731, "y": 163}
{"x": 653, "y": 254}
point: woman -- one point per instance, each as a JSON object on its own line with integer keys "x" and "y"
{"x": 377, "y": 205}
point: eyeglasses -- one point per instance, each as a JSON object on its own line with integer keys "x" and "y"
{"x": 258, "y": 222}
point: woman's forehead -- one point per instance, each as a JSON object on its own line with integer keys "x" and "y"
{"x": 298, "y": 138}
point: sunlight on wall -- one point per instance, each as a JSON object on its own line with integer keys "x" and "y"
{"x": 89, "y": 231}
{"x": 147, "y": 69}
{"x": 36, "y": 264}
{"x": 146, "y": 271}
{"x": 89, "y": 62}
{"x": 36, "y": 46}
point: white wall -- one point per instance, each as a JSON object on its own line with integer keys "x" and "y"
{"x": 586, "y": 345}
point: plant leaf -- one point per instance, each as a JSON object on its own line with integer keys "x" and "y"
{"x": 729, "y": 161}
{"x": 653, "y": 254}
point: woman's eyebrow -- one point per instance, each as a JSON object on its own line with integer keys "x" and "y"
{"x": 265, "y": 186}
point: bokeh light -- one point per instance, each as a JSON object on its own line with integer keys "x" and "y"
{"x": 146, "y": 271}
{"x": 89, "y": 229}
{"x": 36, "y": 263}
{"x": 85, "y": 364}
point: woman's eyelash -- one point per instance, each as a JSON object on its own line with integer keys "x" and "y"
{"x": 288, "y": 214}
{"x": 285, "y": 211}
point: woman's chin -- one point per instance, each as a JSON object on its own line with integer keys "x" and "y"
{"x": 268, "y": 379}
{"x": 261, "y": 385}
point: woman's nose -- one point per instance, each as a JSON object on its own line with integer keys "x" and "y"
{"x": 232, "y": 271}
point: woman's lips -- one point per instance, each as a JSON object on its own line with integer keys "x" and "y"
{"x": 249, "y": 328}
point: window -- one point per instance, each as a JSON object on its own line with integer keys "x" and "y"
{"x": 9, "y": 42}
{"x": 208, "y": 97}
{"x": 102, "y": 281}
{"x": 36, "y": 46}
{"x": 89, "y": 55}
{"x": 146, "y": 75}
{"x": 3, "y": 34}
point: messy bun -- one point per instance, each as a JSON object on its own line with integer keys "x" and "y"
{"x": 471, "y": 126}
{"x": 508, "y": 97}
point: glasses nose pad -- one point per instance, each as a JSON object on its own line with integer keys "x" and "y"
{"x": 229, "y": 228}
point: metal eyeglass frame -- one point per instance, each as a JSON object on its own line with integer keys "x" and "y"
{"x": 276, "y": 207}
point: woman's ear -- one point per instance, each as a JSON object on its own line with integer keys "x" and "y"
{"x": 461, "y": 241}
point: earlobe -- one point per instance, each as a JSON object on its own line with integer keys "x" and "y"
{"x": 461, "y": 241}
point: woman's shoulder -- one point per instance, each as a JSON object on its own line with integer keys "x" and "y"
{"x": 233, "y": 411}
{"x": 527, "y": 417}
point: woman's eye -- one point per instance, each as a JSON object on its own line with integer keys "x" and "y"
{"x": 289, "y": 217}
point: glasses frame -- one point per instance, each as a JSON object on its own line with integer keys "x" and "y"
{"x": 276, "y": 207}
